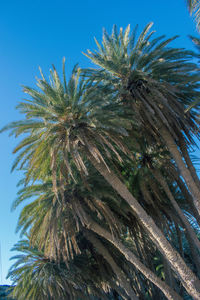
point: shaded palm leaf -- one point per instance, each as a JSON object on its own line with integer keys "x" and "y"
{"x": 38, "y": 277}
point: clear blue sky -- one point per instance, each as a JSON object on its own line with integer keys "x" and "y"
{"x": 39, "y": 33}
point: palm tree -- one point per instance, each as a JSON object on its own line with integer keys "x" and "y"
{"x": 54, "y": 226}
{"x": 159, "y": 83}
{"x": 67, "y": 124}
{"x": 154, "y": 163}
{"x": 55, "y": 222}
{"x": 163, "y": 199}
{"x": 38, "y": 277}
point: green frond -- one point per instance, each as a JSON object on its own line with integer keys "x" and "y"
{"x": 142, "y": 36}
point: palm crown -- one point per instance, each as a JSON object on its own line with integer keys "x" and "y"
{"x": 55, "y": 222}
{"x": 158, "y": 83}
{"x": 82, "y": 122}
{"x": 156, "y": 79}
{"x": 61, "y": 118}
{"x": 38, "y": 277}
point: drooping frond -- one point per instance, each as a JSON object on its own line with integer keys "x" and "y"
{"x": 159, "y": 81}
{"x": 60, "y": 118}
{"x": 38, "y": 277}
{"x": 123, "y": 55}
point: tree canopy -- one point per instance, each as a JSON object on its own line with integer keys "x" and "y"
{"x": 114, "y": 197}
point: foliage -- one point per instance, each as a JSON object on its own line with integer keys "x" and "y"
{"x": 115, "y": 117}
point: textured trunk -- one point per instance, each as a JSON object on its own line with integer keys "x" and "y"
{"x": 194, "y": 252}
{"x": 158, "y": 176}
{"x": 187, "y": 277}
{"x": 188, "y": 161}
{"x": 186, "y": 195}
{"x": 117, "y": 270}
{"x": 169, "y": 279}
{"x": 167, "y": 291}
{"x": 171, "y": 145}
{"x": 179, "y": 238}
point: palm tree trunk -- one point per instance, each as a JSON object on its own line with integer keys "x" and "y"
{"x": 187, "y": 277}
{"x": 183, "y": 148}
{"x": 167, "y": 291}
{"x": 117, "y": 270}
{"x": 158, "y": 176}
{"x": 186, "y": 194}
{"x": 180, "y": 245}
{"x": 169, "y": 279}
{"x": 194, "y": 252}
{"x": 171, "y": 145}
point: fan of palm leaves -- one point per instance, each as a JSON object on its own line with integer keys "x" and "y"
{"x": 54, "y": 222}
{"x": 61, "y": 118}
{"x": 158, "y": 80}
{"x": 38, "y": 277}
{"x": 84, "y": 122}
